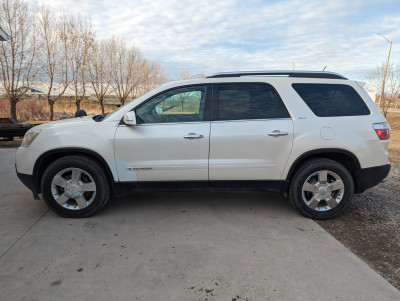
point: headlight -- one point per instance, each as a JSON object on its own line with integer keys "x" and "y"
{"x": 29, "y": 137}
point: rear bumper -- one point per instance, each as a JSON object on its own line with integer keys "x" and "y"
{"x": 372, "y": 176}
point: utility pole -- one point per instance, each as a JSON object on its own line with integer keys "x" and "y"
{"x": 382, "y": 96}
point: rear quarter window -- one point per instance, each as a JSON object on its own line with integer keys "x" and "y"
{"x": 326, "y": 100}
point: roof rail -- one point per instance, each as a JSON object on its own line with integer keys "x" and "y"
{"x": 305, "y": 74}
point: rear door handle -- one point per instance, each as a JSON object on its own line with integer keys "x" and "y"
{"x": 277, "y": 133}
{"x": 193, "y": 136}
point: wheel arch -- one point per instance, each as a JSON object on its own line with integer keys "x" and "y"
{"x": 344, "y": 157}
{"x": 50, "y": 156}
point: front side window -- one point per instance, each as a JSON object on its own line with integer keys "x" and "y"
{"x": 248, "y": 101}
{"x": 331, "y": 100}
{"x": 178, "y": 105}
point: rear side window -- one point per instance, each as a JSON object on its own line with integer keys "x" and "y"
{"x": 248, "y": 101}
{"x": 327, "y": 100}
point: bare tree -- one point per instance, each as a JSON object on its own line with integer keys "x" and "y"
{"x": 99, "y": 72}
{"x": 125, "y": 65}
{"x": 151, "y": 76}
{"x": 141, "y": 77}
{"x": 69, "y": 57}
{"x": 81, "y": 40}
{"x": 53, "y": 62}
{"x": 17, "y": 56}
{"x": 185, "y": 74}
{"x": 392, "y": 86}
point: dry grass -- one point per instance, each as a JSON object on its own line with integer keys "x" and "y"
{"x": 394, "y": 143}
{"x": 37, "y": 109}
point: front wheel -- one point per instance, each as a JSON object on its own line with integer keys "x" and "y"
{"x": 321, "y": 189}
{"x": 75, "y": 186}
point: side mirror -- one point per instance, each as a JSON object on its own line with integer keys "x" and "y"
{"x": 130, "y": 118}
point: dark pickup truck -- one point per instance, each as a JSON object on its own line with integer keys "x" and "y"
{"x": 11, "y": 129}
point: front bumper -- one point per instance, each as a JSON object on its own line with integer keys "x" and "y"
{"x": 29, "y": 181}
{"x": 372, "y": 176}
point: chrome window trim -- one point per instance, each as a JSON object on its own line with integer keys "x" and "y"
{"x": 164, "y": 123}
{"x": 244, "y": 120}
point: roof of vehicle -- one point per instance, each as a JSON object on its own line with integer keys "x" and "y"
{"x": 291, "y": 73}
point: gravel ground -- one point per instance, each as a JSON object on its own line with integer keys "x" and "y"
{"x": 370, "y": 227}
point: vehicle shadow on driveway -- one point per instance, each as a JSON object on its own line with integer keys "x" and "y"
{"x": 267, "y": 202}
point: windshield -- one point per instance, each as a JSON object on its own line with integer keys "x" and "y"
{"x": 122, "y": 107}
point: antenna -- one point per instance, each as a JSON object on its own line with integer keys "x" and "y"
{"x": 195, "y": 76}
{"x": 324, "y": 68}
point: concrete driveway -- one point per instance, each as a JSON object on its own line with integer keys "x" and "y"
{"x": 174, "y": 246}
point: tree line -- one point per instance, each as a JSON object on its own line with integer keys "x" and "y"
{"x": 63, "y": 51}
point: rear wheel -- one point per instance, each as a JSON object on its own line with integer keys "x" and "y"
{"x": 321, "y": 189}
{"x": 75, "y": 186}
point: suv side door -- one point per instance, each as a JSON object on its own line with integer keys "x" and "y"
{"x": 171, "y": 139}
{"x": 251, "y": 132}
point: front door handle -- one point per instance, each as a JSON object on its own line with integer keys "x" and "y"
{"x": 277, "y": 133}
{"x": 193, "y": 136}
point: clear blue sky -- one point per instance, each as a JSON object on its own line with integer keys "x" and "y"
{"x": 211, "y": 36}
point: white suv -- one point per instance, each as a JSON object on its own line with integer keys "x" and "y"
{"x": 316, "y": 137}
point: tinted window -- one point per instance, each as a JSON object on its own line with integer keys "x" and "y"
{"x": 332, "y": 100}
{"x": 178, "y": 105}
{"x": 248, "y": 101}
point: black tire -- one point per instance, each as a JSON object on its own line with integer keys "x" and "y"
{"x": 90, "y": 167}
{"x": 309, "y": 168}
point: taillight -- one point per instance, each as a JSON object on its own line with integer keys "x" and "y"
{"x": 382, "y": 130}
